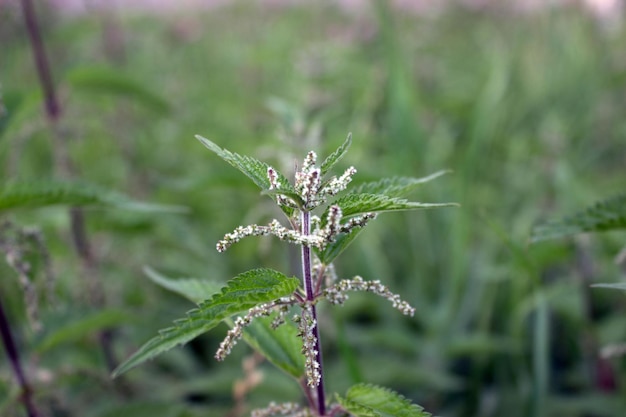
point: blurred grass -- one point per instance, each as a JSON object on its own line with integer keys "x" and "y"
{"x": 526, "y": 109}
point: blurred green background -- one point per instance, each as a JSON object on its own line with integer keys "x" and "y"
{"x": 527, "y": 109}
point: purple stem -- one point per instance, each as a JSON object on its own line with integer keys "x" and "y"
{"x": 53, "y": 108}
{"x": 310, "y": 296}
{"x": 14, "y": 358}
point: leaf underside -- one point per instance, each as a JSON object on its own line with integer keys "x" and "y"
{"x": 240, "y": 294}
{"x": 336, "y": 247}
{"x": 364, "y": 400}
{"x": 603, "y": 216}
{"x": 281, "y": 346}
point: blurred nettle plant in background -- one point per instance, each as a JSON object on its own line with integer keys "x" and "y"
{"x": 270, "y": 302}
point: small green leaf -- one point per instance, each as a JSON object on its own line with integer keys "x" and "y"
{"x": 253, "y": 169}
{"x": 292, "y": 195}
{"x": 355, "y": 204}
{"x": 365, "y": 400}
{"x": 618, "y": 286}
{"x": 19, "y": 195}
{"x": 102, "y": 80}
{"x": 396, "y": 186}
{"x": 336, "y": 247}
{"x": 240, "y": 294}
{"x": 281, "y": 346}
{"x": 603, "y": 216}
{"x": 333, "y": 158}
{"x": 194, "y": 289}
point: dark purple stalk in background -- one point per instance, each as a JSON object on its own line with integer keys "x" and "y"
{"x": 53, "y": 109}
{"x": 14, "y": 358}
{"x": 64, "y": 165}
{"x": 310, "y": 296}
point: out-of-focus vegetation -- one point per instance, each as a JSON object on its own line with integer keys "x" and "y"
{"x": 528, "y": 110}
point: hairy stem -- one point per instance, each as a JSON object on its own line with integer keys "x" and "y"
{"x": 310, "y": 296}
{"x": 14, "y": 358}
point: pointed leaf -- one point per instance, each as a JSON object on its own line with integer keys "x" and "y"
{"x": 355, "y": 204}
{"x": 603, "y": 216}
{"x": 251, "y": 168}
{"x": 17, "y": 195}
{"x": 333, "y": 158}
{"x": 364, "y": 400}
{"x": 194, "y": 289}
{"x": 396, "y": 186}
{"x": 240, "y": 294}
{"x": 291, "y": 194}
{"x": 335, "y": 248}
{"x": 281, "y": 346}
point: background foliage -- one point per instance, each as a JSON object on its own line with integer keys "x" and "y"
{"x": 527, "y": 109}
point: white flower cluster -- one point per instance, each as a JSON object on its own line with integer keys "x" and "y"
{"x": 357, "y": 221}
{"x": 336, "y": 185}
{"x": 309, "y": 185}
{"x": 308, "y": 182}
{"x": 274, "y": 228}
{"x": 285, "y": 409}
{"x": 312, "y": 192}
{"x": 272, "y": 175}
{"x": 281, "y": 306}
{"x": 306, "y": 326}
{"x": 236, "y": 332}
{"x": 337, "y": 293}
{"x": 330, "y": 274}
{"x": 280, "y": 317}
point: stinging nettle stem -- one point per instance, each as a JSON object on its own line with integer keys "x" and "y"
{"x": 310, "y": 296}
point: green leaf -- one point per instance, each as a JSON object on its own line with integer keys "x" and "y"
{"x": 355, "y": 204}
{"x": 365, "y": 400}
{"x": 79, "y": 329}
{"x": 618, "y": 286}
{"x": 334, "y": 249}
{"x": 253, "y": 169}
{"x": 281, "y": 346}
{"x": 291, "y": 194}
{"x": 240, "y": 294}
{"x": 396, "y": 186}
{"x": 333, "y": 158}
{"x": 102, "y": 80}
{"x": 603, "y": 216}
{"x": 194, "y": 289}
{"x": 19, "y": 195}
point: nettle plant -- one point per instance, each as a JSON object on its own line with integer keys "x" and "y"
{"x": 277, "y": 314}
